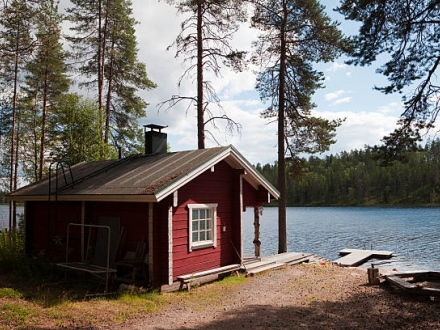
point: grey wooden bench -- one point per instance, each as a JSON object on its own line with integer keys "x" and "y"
{"x": 185, "y": 280}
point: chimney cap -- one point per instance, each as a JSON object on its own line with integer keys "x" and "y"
{"x": 154, "y": 126}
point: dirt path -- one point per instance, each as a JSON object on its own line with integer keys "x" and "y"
{"x": 307, "y": 296}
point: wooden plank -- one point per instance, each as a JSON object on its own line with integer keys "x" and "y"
{"x": 396, "y": 280}
{"x": 93, "y": 269}
{"x": 285, "y": 257}
{"x": 258, "y": 264}
{"x": 187, "y": 279}
{"x": 356, "y": 257}
{"x": 374, "y": 253}
{"x": 270, "y": 266}
{"x": 220, "y": 270}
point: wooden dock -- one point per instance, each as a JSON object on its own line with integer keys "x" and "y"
{"x": 255, "y": 266}
{"x": 355, "y": 257}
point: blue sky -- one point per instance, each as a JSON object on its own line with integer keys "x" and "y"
{"x": 348, "y": 94}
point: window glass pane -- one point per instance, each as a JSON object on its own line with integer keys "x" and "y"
{"x": 202, "y": 225}
{"x": 195, "y": 225}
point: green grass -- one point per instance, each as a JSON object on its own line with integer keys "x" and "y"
{"x": 17, "y": 314}
{"x": 10, "y": 293}
{"x": 34, "y": 291}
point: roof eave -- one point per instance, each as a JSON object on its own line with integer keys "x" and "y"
{"x": 87, "y": 198}
{"x": 250, "y": 169}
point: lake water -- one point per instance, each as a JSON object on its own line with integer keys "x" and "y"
{"x": 4, "y": 215}
{"x": 412, "y": 233}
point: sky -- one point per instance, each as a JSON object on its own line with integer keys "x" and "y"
{"x": 348, "y": 93}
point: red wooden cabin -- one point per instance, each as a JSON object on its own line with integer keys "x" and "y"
{"x": 187, "y": 206}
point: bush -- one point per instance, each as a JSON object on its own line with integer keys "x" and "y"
{"x": 13, "y": 259}
{"x": 11, "y": 248}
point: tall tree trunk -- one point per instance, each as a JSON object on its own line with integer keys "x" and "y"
{"x": 109, "y": 93}
{"x": 282, "y": 228}
{"x": 43, "y": 124}
{"x": 12, "y": 178}
{"x": 102, "y": 26}
{"x": 200, "y": 110}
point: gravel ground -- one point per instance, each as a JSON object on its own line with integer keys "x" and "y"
{"x": 308, "y": 296}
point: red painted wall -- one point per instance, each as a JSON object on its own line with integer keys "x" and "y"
{"x": 47, "y": 227}
{"x": 42, "y": 230}
{"x": 221, "y": 187}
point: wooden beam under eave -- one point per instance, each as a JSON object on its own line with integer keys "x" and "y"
{"x": 87, "y": 198}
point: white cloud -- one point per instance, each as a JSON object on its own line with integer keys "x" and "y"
{"x": 336, "y": 66}
{"x": 360, "y": 129}
{"x": 392, "y": 108}
{"x": 334, "y": 95}
{"x": 341, "y": 101}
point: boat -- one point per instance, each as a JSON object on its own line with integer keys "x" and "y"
{"x": 417, "y": 282}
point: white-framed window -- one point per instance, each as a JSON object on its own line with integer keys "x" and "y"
{"x": 202, "y": 225}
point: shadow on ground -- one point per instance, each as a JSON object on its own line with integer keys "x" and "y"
{"x": 392, "y": 311}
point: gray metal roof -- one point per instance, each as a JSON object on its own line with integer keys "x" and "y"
{"x": 138, "y": 178}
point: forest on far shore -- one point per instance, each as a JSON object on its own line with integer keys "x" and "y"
{"x": 355, "y": 178}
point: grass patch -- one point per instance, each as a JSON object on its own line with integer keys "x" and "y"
{"x": 233, "y": 280}
{"x": 34, "y": 292}
{"x": 17, "y": 316}
{"x": 63, "y": 304}
{"x": 208, "y": 295}
{"x": 10, "y": 293}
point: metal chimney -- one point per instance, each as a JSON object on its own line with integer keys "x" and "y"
{"x": 155, "y": 140}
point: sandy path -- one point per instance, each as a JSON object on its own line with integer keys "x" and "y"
{"x": 308, "y": 296}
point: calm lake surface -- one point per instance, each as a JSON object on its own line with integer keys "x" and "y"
{"x": 412, "y": 233}
{"x": 4, "y": 215}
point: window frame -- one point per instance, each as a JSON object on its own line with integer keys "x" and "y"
{"x": 205, "y": 243}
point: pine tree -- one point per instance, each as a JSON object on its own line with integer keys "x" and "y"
{"x": 16, "y": 45}
{"x": 46, "y": 81}
{"x": 105, "y": 44}
{"x": 204, "y": 41}
{"x": 407, "y": 32}
{"x": 295, "y": 34}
